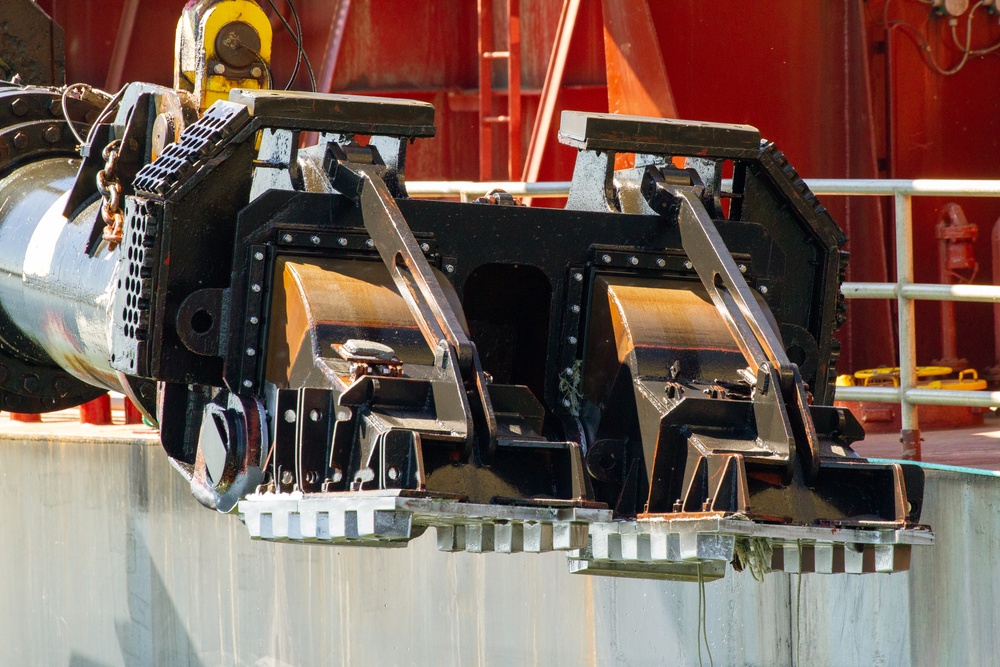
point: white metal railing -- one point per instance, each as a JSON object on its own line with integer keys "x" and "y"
{"x": 904, "y": 290}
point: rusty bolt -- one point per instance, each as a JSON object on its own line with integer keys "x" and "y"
{"x": 19, "y": 107}
{"x": 21, "y": 141}
{"x": 61, "y": 385}
{"x": 256, "y": 72}
{"x": 52, "y": 134}
{"x": 30, "y": 383}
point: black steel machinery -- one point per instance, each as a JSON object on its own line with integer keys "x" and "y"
{"x": 643, "y": 378}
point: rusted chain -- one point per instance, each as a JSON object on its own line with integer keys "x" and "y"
{"x": 111, "y": 192}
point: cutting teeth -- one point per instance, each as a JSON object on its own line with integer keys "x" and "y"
{"x": 655, "y": 548}
{"x": 385, "y": 520}
{"x": 690, "y": 548}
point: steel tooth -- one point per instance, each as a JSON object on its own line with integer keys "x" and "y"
{"x": 508, "y": 538}
{"x": 797, "y": 558}
{"x": 569, "y": 535}
{"x": 293, "y": 526}
{"x": 854, "y": 559}
{"x": 537, "y": 537}
{"x": 829, "y": 558}
{"x": 451, "y": 538}
{"x": 635, "y": 545}
{"x": 479, "y": 538}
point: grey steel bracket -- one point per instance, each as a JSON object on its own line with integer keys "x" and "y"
{"x": 780, "y": 406}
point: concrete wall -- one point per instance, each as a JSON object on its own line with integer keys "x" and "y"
{"x": 107, "y": 560}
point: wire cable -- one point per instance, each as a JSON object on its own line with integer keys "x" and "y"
{"x": 301, "y": 44}
{"x": 86, "y": 88}
{"x": 296, "y": 35}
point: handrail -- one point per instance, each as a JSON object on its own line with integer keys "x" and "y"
{"x": 921, "y": 187}
{"x": 904, "y": 290}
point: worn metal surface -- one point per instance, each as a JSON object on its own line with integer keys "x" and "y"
{"x": 156, "y": 580}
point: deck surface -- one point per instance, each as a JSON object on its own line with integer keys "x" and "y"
{"x": 974, "y": 447}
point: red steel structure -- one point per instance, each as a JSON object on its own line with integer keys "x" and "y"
{"x": 848, "y": 88}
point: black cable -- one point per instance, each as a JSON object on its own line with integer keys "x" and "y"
{"x": 296, "y": 35}
{"x": 301, "y": 44}
{"x": 288, "y": 28}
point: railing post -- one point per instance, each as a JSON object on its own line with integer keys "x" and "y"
{"x": 910, "y": 434}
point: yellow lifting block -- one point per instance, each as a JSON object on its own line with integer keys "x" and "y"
{"x": 962, "y": 383}
{"x": 221, "y": 45}
{"x": 967, "y": 380}
{"x": 884, "y": 375}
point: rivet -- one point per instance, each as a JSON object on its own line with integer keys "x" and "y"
{"x": 290, "y": 416}
{"x": 571, "y": 340}
{"x": 315, "y": 240}
{"x": 575, "y": 309}
{"x": 606, "y": 259}
{"x": 369, "y": 243}
{"x": 661, "y": 262}
{"x": 742, "y": 268}
{"x": 688, "y": 264}
{"x": 426, "y": 247}
{"x": 633, "y": 260}
{"x": 287, "y": 238}
{"x": 247, "y": 384}
{"x": 449, "y": 268}
{"x": 251, "y": 351}
{"x": 253, "y": 319}
{"x": 258, "y": 255}
{"x": 256, "y": 72}
{"x": 342, "y": 241}
{"x": 762, "y": 289}
{"x": 219, "y": 68}
{"x": 578, "y": 277}
{"x": 255, "y": 287}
